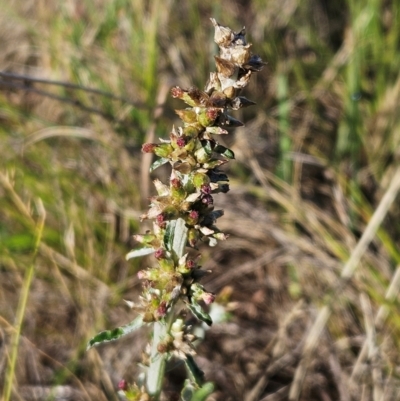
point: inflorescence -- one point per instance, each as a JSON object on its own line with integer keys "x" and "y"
{"x": 195, "y": 157}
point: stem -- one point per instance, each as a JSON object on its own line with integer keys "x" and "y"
{"x": 195, "y": 157}
{"x": 156, "y": 369}
{"x": 23, "y": 303}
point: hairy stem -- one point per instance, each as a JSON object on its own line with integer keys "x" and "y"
{"x": 156, "y": 370}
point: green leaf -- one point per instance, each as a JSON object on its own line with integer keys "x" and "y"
{"x": 112, "y": 335}
{"x": 188, "y": 391}
{"x": 158, "y": 163}
{"x": 135, "y": 253}
{"x": 191, "y": 392}
{"x": 175, "y": 237}
{"x": 208, "y": 147}
{"x": 198, "y": 311}
{"x": 180, "y": 238}
{"x": 169, "y": 235}
{"x": 222, "y": 150}
{"x": 232, "y": 122}
{"x": 203, "y": 392}
{"x": 216, "y": 214}
{"x": 196, "y": 373}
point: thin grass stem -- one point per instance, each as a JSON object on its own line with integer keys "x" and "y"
{"x": 23, "y": 302}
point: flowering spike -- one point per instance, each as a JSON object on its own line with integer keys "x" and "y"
{"x": 183, "y": 211}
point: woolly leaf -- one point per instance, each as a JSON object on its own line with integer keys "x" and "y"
{"x": 216, "y": 130}
{"x": 212, "y": 242}
{"x": 207, "y": 146}
{"x": 222, "y": 150}
{"x": 175, "y": 236}
{"x": 196, "y": 373}
{"x": 169, "y": 235}
{"x": 135, "y": 253}
{"x": 198, "y": 311}
{"x": 158, "y": 163}
{"x": 216, "y": 214}
{"x": 216, "y": 176}
{"x": 188, "y": 391}
{"x": 180, "y": 237}
{"x": 112, "y": 335}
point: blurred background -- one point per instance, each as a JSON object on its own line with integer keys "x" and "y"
{"x": 84, "y": 83}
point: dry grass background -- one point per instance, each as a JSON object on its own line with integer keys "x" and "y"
{"x": 312, "y": 263}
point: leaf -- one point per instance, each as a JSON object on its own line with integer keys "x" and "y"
{"x": 203, "y": 392}
{"x": 188, "y": 391}
{"x": 197, "y": 310}
{"x": 196, "y": 373}
{"x": 175, "y": 237}
{"x": 206, "y": 231}
{"x": 208, "y": 147}
{"x": 222, "y": 150}
{"x": 214, "y": 163}
{"x": 216, "y": 176}
{"x": 180, "y": 238}
{"x": 169, "y": 235}
{"x": 216, "y": 214}
{"x": 193, "y": 197}
{"x": 240, "y": 102}
{"x": 191, "y": 392}
{"x": 158, "y": 163}
{"x": 216, "y": 130}
{"x": 212, "y": 242}
{"x": 135, "y": 253}
{"x": 112, "y": 335}
{"x": 162, "y": 189}
{"x": 232, "y": 122}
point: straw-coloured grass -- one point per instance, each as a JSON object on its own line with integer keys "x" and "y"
{"x": 310, "y": 271}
